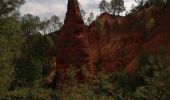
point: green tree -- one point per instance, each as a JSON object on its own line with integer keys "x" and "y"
{"x": 104, "y": 6}
{"x": 30, "y": 24}
{"x": 117, "y": 6}
{"x": 10, "y": 41}
{"x": 45, "y": 26}
{"x": 90, "y": 18}
{"x": 33, "y": 51}
{"x": 29, "y": 70}
{"x": 141, "y": 4}
{"x": 55, "y": 22}
{"x": 118, "y": 85}
{"x": 8, "y": 6}
{"x": 83, "y": 14}
{"x": 156, "y": 76}
{"x": 10, "y": 44}
{"x": 159, "y": 3}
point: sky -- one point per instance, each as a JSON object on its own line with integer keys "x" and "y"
{"x": 47, "y": 8}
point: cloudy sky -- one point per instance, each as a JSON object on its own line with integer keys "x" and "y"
{"x": 47, "y": 8}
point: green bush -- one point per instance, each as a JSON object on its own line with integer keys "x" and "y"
{"x": 29, "y": 94}
{"x": 150, "y": 24}
{"x": 149, "y": 27}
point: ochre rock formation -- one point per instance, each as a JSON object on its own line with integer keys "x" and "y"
{"x": 122, "y": 40}
{"x": 72, "y": 46}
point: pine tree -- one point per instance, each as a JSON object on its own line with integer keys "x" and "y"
{"x": 55, "y": 23}
{"x": 104, "y": 6}
{"x": 90, "y": 18}
{"x": 10, "y": 42}
{"x": 117, "y": 6}
{"x": 83, "y": 14}
{"x": 8, "y": 6}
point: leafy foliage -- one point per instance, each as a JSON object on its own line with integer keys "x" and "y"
{"x": 55, "y": 23}
{"x": 83, "y": 14}
{"x": 10, "y": 43}
{"x": 104, "y": 6}
{"x": 30, "y": 24}
{"x": 90, "y": 18}
{"x": 8, "y": 6}
{"x": 117, "y": 6}
{"x": 141, "y": 4}
{"x": 157, "y": 79}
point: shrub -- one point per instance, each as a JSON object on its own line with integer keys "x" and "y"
{"x": 150, "y": 24}
{"x": 149, "y": 27}
{"x": 156, "y": 76}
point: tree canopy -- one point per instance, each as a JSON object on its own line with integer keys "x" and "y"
{"x": 104, "y": 6}
{"x": 114, "y": 6}
{"x": 8, "y": 6}
{"x": 117, "y": 6}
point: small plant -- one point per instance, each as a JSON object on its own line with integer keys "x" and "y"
{"x": 84, "y": 71}
{"x": 72, "y": 72}
{"x": 155, "y": 74}
{"x": 150, "y": 24}
{"x": 99, "y": 63}
{"x": 149, "y": 27}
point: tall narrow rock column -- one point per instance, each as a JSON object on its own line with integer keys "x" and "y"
{"x": 72, "y": 49}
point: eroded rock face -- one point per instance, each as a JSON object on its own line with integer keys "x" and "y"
{"x": 122, "y": 41}
{"x": 72, "y": 48}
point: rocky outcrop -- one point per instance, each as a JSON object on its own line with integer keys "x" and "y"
{"x": 72, "y": 46}
{"x": 126, "y": 38}
{"x": 122, "y": 41}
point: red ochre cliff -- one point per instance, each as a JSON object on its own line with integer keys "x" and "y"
{"x": 122, "y": 40}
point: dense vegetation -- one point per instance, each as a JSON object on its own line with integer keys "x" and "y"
{"x": 25, "y": 60}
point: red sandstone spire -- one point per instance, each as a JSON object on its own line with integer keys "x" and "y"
{"x": 73, "y": 11}
{"x": 72, "y": 47}
{"x": 73, "y": 22}
{"x": 72, "y": 38}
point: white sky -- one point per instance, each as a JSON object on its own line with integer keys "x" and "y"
{"x": 47, "y": 8}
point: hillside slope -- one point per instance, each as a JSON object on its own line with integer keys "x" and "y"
{"x": 122, "y": 41}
